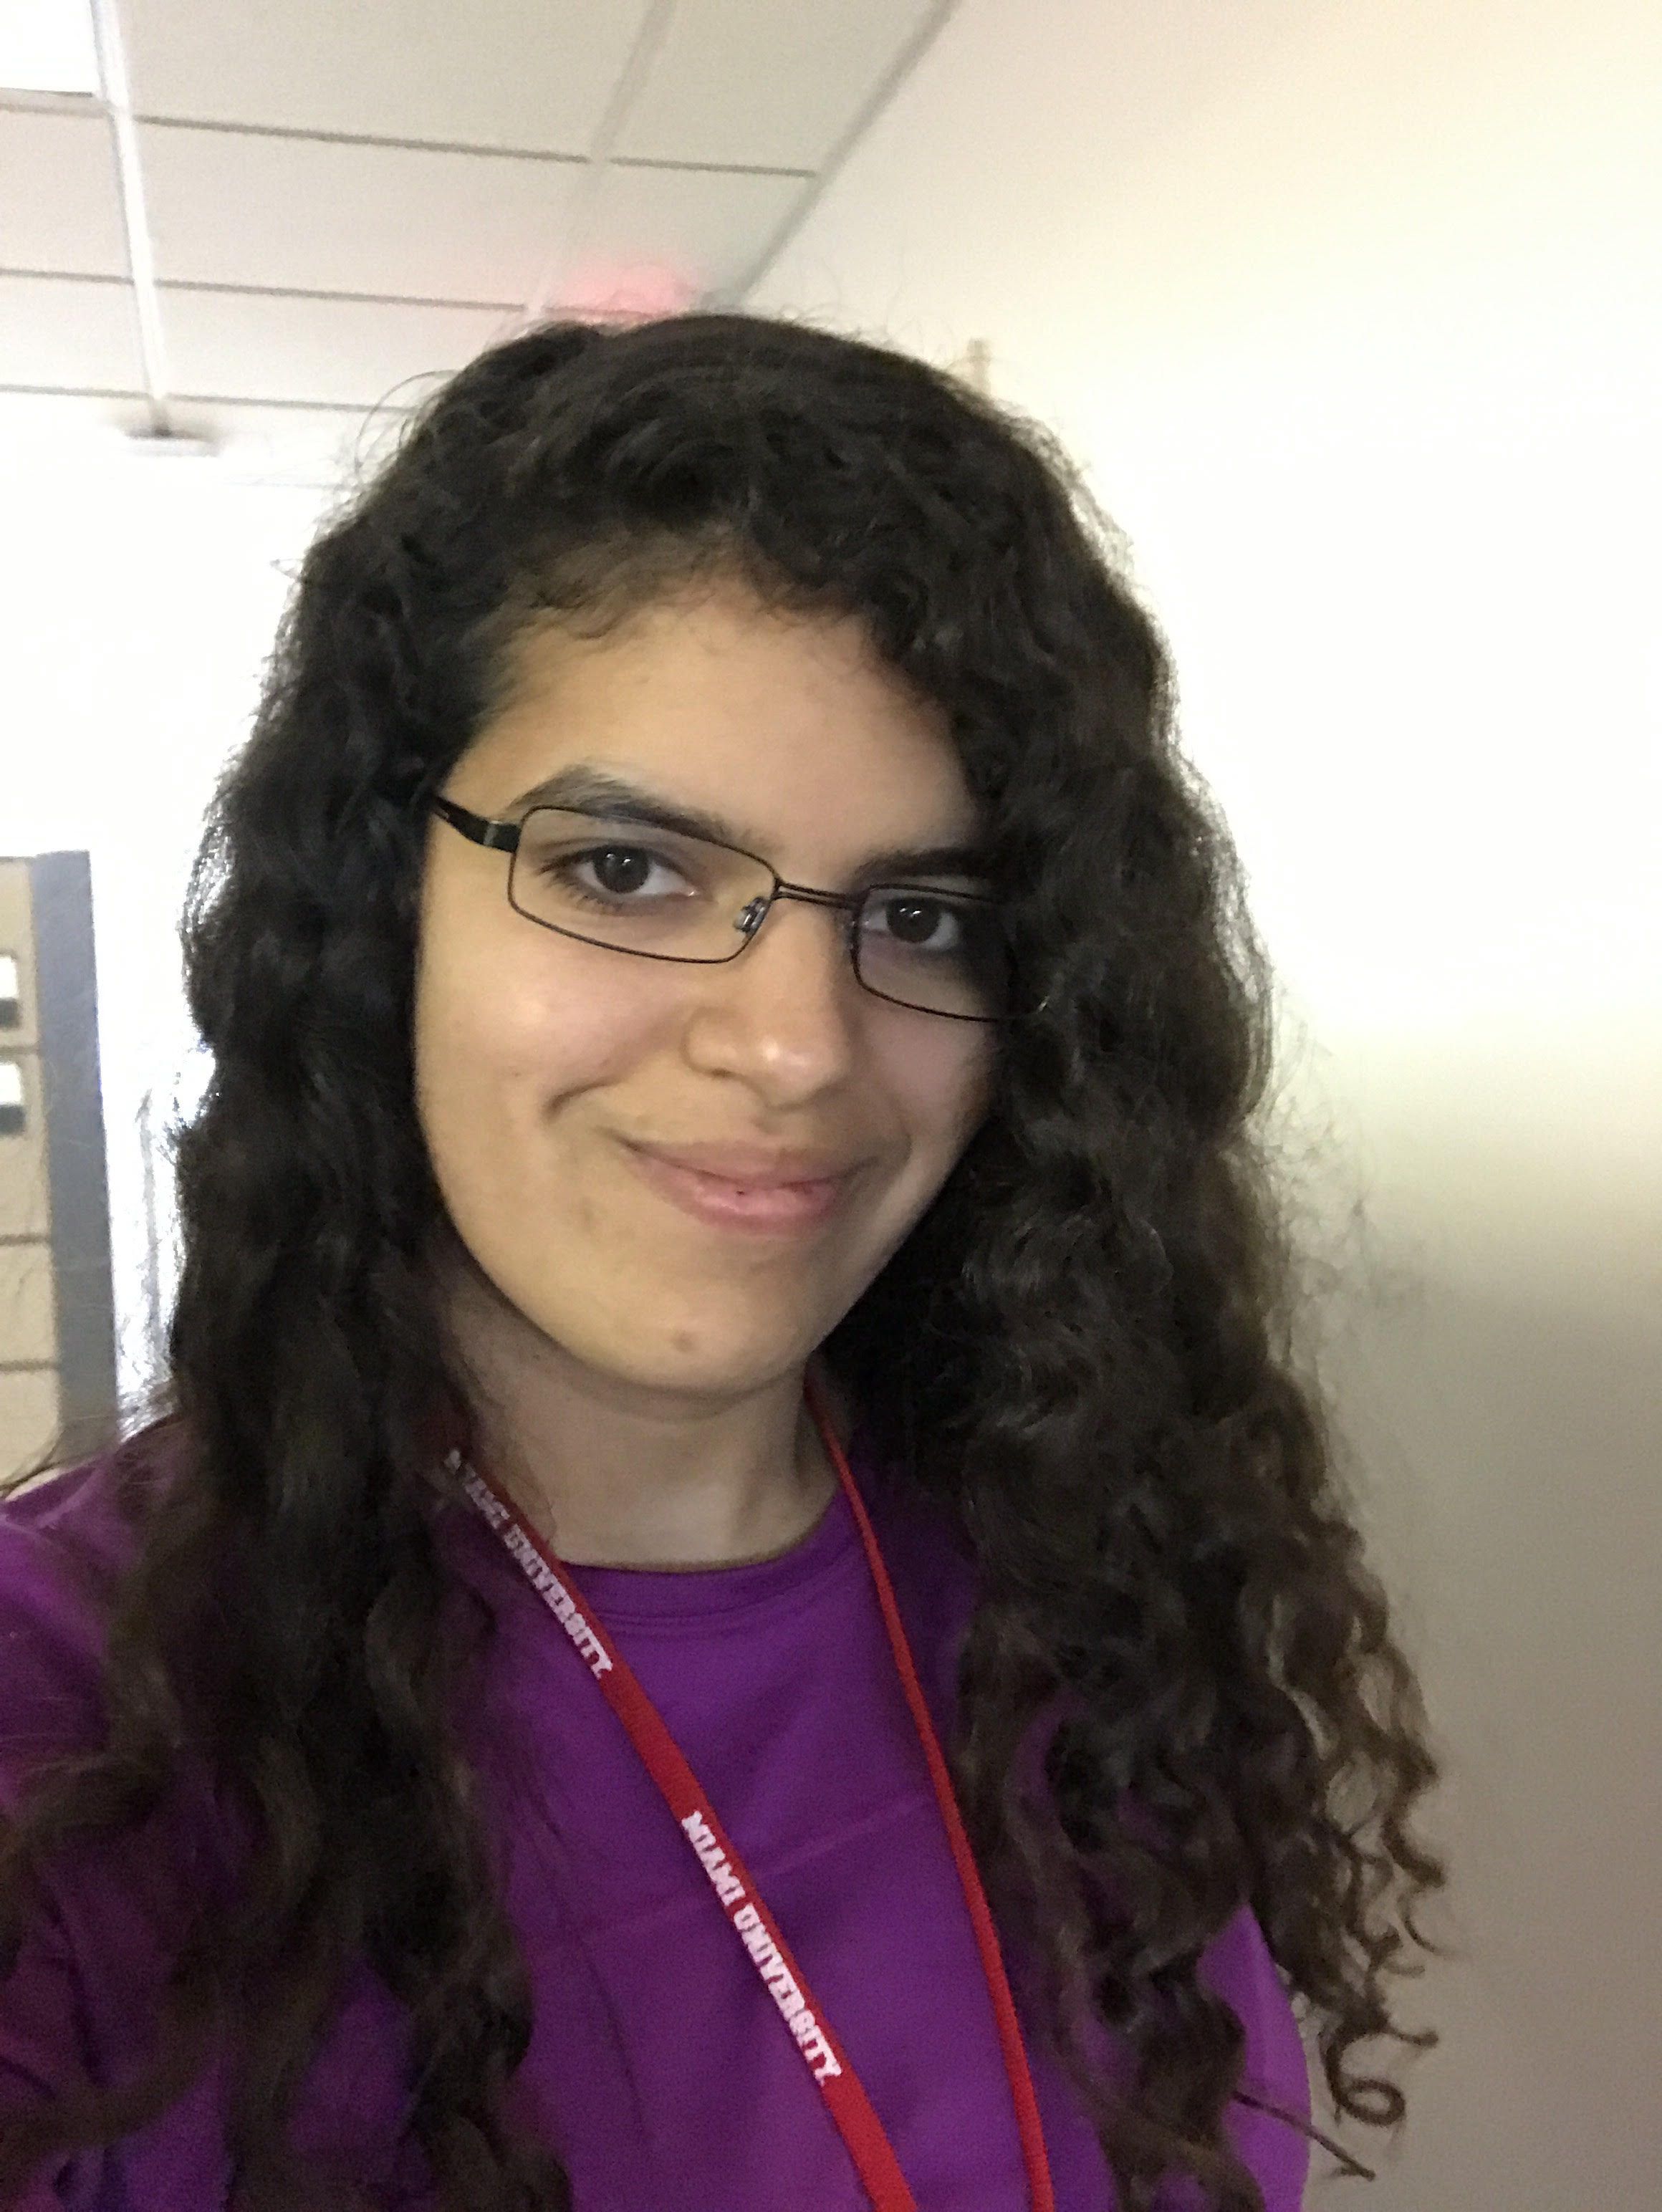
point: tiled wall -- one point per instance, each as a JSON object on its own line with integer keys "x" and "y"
{"x": 57, "y": 1338}
{"x": 28, "y": 1346}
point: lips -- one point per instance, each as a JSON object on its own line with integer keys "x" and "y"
{"x": 767, "y": 1202}
{"x": 755, "y": 1167}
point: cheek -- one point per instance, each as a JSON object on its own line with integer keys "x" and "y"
{"x": 499, "y": 1045}
{"x": 941, "y": 1080}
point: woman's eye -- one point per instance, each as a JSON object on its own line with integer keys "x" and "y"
{"x": 622, "y": 872}
{"x": 917, "y": 923}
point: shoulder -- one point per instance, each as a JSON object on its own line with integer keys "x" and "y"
{"x": 66, "y": 1539}
{"x": 70, "y": 1509}
{"x": 107, "y": 1913}
{"x": 66, "y": 1543}
{"x": 70, "y": 1535}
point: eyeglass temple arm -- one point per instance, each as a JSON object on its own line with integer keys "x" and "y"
{"x": 497, "y": 837}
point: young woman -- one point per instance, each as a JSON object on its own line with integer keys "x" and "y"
{"x": 738, "y": 1603}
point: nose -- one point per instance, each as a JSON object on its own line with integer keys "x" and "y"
{"x": 784, "y": 1015}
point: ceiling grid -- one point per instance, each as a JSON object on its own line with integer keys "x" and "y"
{"x": 279, "y": 215}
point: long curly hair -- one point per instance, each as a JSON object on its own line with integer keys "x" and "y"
{"x": 1180, "y": 1694}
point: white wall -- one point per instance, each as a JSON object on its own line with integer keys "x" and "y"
{"x": 1351, "y": 313}
{"x": 138, "y": 597}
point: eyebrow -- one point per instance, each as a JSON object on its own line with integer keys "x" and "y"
{"x": 587, "y": 789}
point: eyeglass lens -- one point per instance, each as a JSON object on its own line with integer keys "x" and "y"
{"x": 654, "y": 891}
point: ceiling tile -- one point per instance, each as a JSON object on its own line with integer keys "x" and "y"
{"x": 494, "y": 73}
{"x": 770, "y": 81}
{"x": 69, "y": 331}
{"x": 229, "y": 209}
{"x": 60, "y": 207}
{"x": 243, "y": 345}
{"x": 706, "y": 226}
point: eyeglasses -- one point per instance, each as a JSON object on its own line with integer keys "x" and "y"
{"x": 668, "y": 896}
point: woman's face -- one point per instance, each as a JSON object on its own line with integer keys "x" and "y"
{"x": 544, "y": 1063}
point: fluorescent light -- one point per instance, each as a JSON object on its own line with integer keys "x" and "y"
{"x": 47, "y": 45}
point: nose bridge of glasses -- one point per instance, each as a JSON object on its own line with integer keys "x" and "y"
{"x": 844, "y": 904}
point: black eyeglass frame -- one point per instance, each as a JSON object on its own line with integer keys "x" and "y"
{"x": 501, "y": 836}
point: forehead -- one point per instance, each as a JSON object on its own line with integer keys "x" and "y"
{"x": 781, "y": 725}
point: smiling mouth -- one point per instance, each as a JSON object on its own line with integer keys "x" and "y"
{"x": 726, "y": 1202}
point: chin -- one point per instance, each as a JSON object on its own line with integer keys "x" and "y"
{"x": 693, "y": 1335}
{"x": 705, "y": 1350}
{"x": 721, "y": 1368}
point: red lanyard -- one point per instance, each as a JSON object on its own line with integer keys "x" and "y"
{"x": 754, "y": 1925}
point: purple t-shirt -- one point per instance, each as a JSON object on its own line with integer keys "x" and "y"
{"x": 660, "y": 2068}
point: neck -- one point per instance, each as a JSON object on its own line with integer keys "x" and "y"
{"x": 615, "y": 1474}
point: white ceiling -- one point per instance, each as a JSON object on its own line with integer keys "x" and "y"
{"x": 311, "y": 208}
